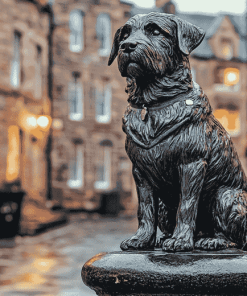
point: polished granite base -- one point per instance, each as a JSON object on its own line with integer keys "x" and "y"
{"x": 159, "y": 273}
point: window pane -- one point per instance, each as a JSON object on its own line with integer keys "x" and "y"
{"x": 230, "y": 119}
{"x": 100, "y": 176}
{"x": 75, "y": 98}
{"x": 76, "y": 30}
{"x": 100, "y": 102}
{"x": 103, "y": 28}
{"x": 38, "y": 74}
{"x": 15, "y": 67}
{"x": 103, "y": 168}
{"x": 76, "y": 167}
{"x": 227, "y": 79}
{"x": 103, "y": 103}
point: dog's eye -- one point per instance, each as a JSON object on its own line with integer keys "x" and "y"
{"x": 156, "y": 32}
{"x": 126, "y": 35}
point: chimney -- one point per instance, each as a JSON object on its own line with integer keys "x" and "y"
{"x": 161, "y": 3}
{"x": 166, "y": 6}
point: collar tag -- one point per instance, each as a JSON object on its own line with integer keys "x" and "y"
{"x": 144, "y": 113}
{"x": 189, "y": 102}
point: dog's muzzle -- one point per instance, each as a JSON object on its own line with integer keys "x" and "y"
{"x": 128, "y": 47}
{"x": 127, "y": 64}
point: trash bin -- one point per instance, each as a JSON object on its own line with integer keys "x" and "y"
{"x": 10, "y": 211}
{"x": 110, "y": 203}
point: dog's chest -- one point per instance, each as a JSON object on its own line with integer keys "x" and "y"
{"x": 149, "y": 127}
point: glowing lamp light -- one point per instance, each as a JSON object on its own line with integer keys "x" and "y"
{"x": 231, "y": 76}
{"x": 57, "y": 124}
{"x": 43, "y": 121}
{"x": 31, "y": 121}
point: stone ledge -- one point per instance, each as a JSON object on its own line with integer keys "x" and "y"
{"x": 159, "y": 273}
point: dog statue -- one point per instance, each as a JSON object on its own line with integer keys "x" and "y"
{"x": 189, "y": 179}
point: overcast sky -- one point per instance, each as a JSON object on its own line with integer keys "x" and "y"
{"x": 208, "y": 6}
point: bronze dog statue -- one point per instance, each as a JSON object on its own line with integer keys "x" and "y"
{"x": 189, "y": 179}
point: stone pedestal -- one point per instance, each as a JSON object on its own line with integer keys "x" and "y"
{"x": 160, "y": 273}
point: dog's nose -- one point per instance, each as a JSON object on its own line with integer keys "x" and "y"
{"x": 128, "y": 46}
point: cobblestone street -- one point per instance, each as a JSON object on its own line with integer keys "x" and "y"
{"x": 50, "y": 264}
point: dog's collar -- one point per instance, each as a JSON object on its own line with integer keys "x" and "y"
{"x": 161, "y": 105}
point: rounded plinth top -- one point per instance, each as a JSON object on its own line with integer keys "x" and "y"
{"x": 156, "y": 272}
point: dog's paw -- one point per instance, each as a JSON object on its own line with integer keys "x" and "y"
{"x": 138, "y": 243}
{"x": 160, "y": 240}
{"x": 213, "y": 244}
{"x": 177, "y": 245}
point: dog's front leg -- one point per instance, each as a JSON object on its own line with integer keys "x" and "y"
{"x": 191, "y": 180}
{"x": 147, "y": 216}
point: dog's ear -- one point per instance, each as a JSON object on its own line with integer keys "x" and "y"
{"x": 115, "y": 46}
{"x": 189, "y": 35}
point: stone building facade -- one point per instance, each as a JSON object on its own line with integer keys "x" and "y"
{"x": 53, "y": 68}
{"x": 25, "y": 107}
{"x": 88, "y": 156}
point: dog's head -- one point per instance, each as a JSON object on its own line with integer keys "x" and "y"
{"x": 153, "y": 44}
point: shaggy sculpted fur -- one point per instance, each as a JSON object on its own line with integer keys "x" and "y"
{"x": 188, "y": 176}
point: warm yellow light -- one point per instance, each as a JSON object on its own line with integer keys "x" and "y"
{"x": 28, "y": 280}
{"x": 227, "y": 51}
{"x": 57, "y": 124}
{"x": 229, "y": 119}
{"x": 43, "y": 265}
{"x": 43, "y": 121}
{"x": 12, "y": 171}
{"x": 231, "y": 76}
{"x": 31, "y": 121}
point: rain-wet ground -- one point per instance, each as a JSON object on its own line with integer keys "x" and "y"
{"x": 50, "y": 264}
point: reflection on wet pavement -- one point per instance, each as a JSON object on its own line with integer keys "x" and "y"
{"x": 50, "y": 264}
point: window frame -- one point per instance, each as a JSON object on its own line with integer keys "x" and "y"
{"x": 38, "y": 73}
{"x": 103, "y": 31}
{"x": 103, "y": 95}
{"x": 76, "y": 36}
{"x": 76, "y": 97}
{"x": 237, "y": 131}
{"x": 107, "y": 169}
{"x": 76, "y": 167}
{"x": 15, "y": 76}
{"x": 219, "y": 80}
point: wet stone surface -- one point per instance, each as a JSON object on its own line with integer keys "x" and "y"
{"x": 156, "y": 272}
{"x": 50, "y": 264}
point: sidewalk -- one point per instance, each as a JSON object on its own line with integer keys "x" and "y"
{"x": 50, "y": 264}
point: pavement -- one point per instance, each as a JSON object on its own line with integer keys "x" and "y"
{"x": 49, "y": 264}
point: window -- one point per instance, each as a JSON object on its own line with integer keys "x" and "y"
{"x": 227, "y": 48}
{"x": 103, "y": 94}
{"x": 227, "y": 79}
{"x": 16, "y": 62}
{"x": 75, "y": 98}
{"x": 103, "y": 28}
{"x": 38, "y": 74}
{"x": 76, "y": 166}
{"x": 13, "y": 157}
{"x": 76, "y": 30}
{"x": 230, "y": 118}
{"x": 103, "y": 166}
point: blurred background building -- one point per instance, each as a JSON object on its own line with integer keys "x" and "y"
{"x": 61, "y": 106}
{"x": 88, "y": 156}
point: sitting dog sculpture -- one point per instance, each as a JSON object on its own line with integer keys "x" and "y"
{"x": 188, "y": 175}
